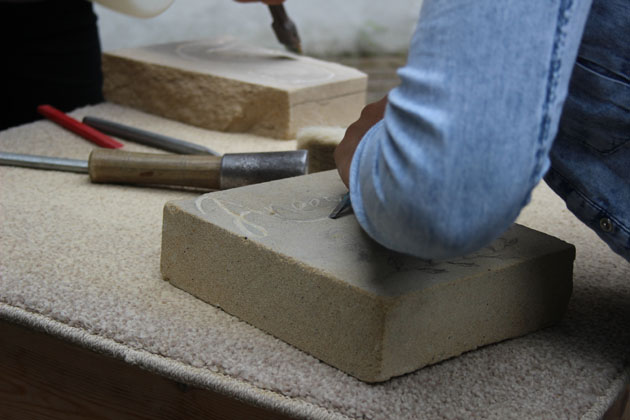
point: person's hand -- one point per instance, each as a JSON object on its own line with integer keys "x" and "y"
{"x": 344, "y": 152}
{"x": 270, "y": 2}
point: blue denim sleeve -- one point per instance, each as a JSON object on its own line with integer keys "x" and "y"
{"x": 466, "y": 136}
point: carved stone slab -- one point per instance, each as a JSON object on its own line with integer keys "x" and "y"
{"x": 225, "y": 85}
{"x": 269, "y": 254}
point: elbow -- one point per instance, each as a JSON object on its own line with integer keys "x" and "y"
{"x": 451, "y": 237}
{"x": 438, "y": 198}
{"x": 438, "y": 232}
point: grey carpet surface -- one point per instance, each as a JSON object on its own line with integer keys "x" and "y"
{"x": 81, "y": 261}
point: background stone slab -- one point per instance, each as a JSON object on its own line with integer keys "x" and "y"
{"x": 225, "y": 85}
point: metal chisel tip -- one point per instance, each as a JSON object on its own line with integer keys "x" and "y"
{"x": 341, "y": 206}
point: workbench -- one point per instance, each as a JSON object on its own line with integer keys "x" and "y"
{"x": 89, "y": 328}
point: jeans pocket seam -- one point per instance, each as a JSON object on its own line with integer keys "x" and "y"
{"x": 617, "y": 79}
{"x": 606, "y": 152}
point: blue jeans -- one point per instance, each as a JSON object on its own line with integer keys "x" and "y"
{"x": 480, "y": 118}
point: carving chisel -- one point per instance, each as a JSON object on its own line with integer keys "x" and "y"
{"x": 207, "y": 172}
{"x": 341, "y": 206}
{"x": 285, "y": 29}
{"x": 147, "y": 138}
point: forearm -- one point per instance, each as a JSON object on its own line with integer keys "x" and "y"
{"x": 466, "y": 136}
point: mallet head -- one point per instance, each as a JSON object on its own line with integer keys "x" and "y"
{"x": 238, "y": 169}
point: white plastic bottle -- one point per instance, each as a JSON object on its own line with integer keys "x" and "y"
{"x": 137, "y": 8}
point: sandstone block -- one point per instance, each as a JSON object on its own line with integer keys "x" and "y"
{"x": 269, "y": 255}
{"x": 225, "y": 85}
{"x": 321, "y": 143}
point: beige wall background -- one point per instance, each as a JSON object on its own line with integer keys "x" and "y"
{"x": 327, "y": 27}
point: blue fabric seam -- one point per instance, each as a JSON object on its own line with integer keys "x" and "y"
{"x": 555, "y": 64}
{"x": 590, "y": 202}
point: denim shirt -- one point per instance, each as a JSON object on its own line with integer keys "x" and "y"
{"x": 494, "y": 96}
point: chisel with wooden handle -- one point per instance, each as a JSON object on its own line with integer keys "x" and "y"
{"x": 209, "y": 172}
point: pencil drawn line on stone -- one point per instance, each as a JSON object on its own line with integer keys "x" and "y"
{"x": 269, "y": 64}
{"x": 497, "y": 249}
{"x": 311, "y": 210}
{"x": 463, "y": 263}
{"x": 198, "y": 202}
{"x": 238, "y": 216}
{"x": 403, "y": 263}
{"x": 192, "y": 50}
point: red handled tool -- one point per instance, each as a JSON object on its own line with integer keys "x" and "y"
{"x": 77, "y": 127}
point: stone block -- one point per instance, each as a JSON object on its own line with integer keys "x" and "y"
{"x": 321, "y": 143}
{"x": 225, "y": 85}
{"x": 269, "y": 255}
